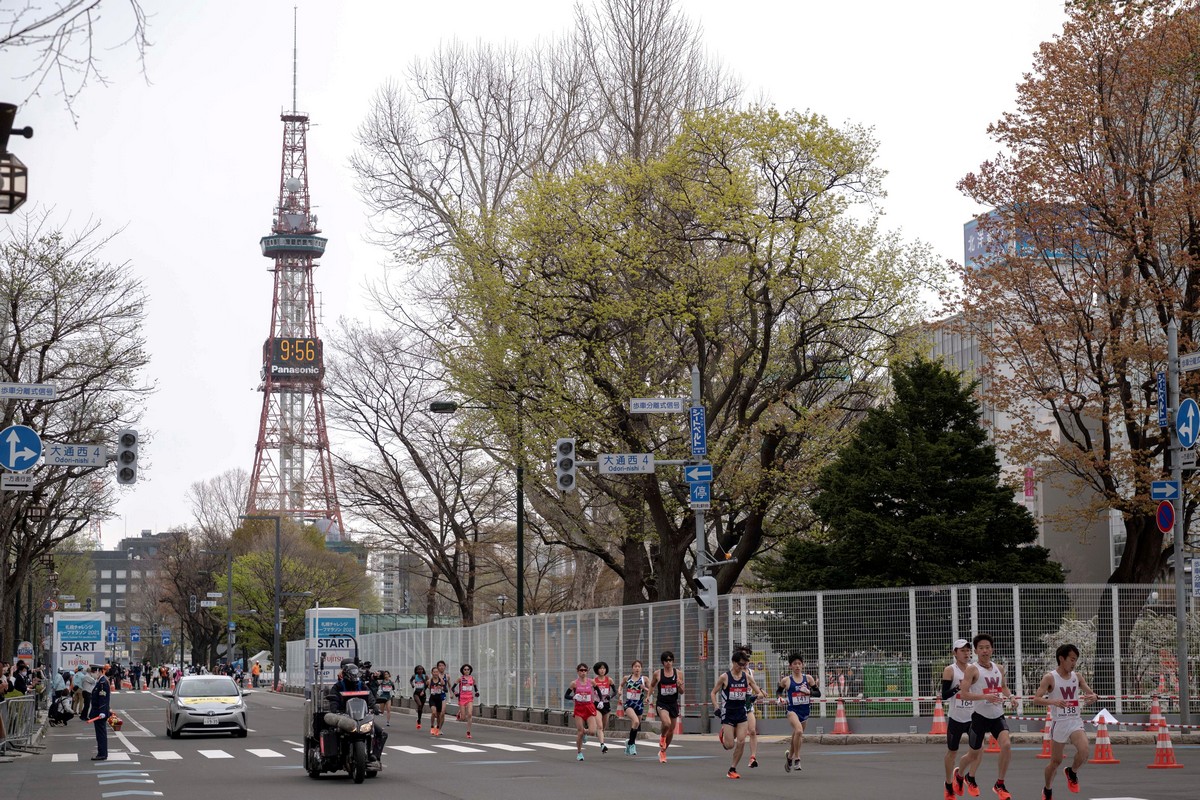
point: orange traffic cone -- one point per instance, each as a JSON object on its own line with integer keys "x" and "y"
{"x": 1104, "y": 751}
{"x": 1164, "y": 752}
{"x": 993, "y": 745}
{"x": 1046, "y": 739}
{"x": 1157, "y": 720}
{"x": 939, "y": 721}
{"x": 679, "y": 726}
{"x": 840, "y": 725}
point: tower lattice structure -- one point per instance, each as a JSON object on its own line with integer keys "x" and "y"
{"x": 293, "y": 468}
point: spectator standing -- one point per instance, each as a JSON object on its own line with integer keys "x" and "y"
{"x": 135, "y": 675}
{"x": 255, "y": 671}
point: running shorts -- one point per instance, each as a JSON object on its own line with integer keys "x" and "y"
{"x": 981, "y": 726}
{"x": 954, "y": 733}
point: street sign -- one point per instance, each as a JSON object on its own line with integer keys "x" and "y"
{"x": 1165, "y": 516}
{"x": 26, "y": 391}
{"x": 232, "y": 625}
{"x": 1196, "y": 577}
{"x": 208, "y": 603}
{"x": 1162, "y": 399}
{"x": 624, "y": 464}
{"x": 1164, "y": 490}
{"x": 72, "y": 606}
{"x": 1189, "y": 362}
{"x": 16, "y": 482}
{"x": 66, "y": 597}
{"x": 20, "y": 448}
{"x": 698, "y": 473}
{"x": 135, "y": 633}
{"x": 166, "y": 637}
{"x": 25, "y": 650}
{"x": 656, "y": 405}
{"x": 216, "y": 594}
{"x": 701, "y": 495}
{"x": 112, "y": 634}
{"x": 1187, "y": 459}
{"x": 76, "y": 455}
{"x": 1187, "y": 423}
{"x": 50, "y": 605}
{"x": 699, "y": 430}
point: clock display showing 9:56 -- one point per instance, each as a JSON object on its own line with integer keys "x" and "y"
{"x": 294, "y": 358}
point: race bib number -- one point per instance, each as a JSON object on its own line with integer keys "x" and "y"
{"x": 583, "y": 697}
{"x": 1071, "y": 709}
{"x": 667, "y": 691}
{"x": 633, "y": 694}
{"x": 800, "y": 699}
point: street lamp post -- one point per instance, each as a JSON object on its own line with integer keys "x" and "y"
{"x": 228, "y": 599}
{"x": 278, "y": 593}
{"x": 502, "y": 599}
{"x": 449, "y": 407}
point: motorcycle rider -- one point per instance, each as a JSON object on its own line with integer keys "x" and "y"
{"x": 351, "y": 680}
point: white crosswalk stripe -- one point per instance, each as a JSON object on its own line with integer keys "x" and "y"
{"x": 118, "y": 757}
{"x": 552, "y": 745}
{"x": 59, "y": 758}
{"x": 415, "y": 751}
{"x": 214, "y": 754}
{"x": 512, "y": 748}
{"x": 265, "y": 753}
{"x": 166, "y": 755}
{"x": 458, "y": 748}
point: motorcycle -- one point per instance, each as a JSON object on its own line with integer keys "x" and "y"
{"x": 336, "y": 739}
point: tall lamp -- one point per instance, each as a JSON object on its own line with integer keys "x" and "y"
{"x": 14, "y": 175}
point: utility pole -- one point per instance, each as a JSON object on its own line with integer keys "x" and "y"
{"x": 1173, "y": 370}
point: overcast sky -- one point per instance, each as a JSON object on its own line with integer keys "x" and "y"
{"x": 187, "y": 162}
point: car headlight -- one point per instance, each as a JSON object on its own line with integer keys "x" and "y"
{"x": 365, "y": 727}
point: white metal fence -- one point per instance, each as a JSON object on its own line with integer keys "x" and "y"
{"x": 882, "y": 650}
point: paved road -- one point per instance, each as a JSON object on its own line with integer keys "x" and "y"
{"x": 502, "y": 763}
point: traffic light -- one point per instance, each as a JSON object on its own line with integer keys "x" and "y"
{"x": 127, "y": 455}
{"x": 88, "y": 604}
{"x": 564, "y": 464}
{"x": 706, "y": 591}
{"x": 154, "y": 629}
{"x": 192, "y": 603}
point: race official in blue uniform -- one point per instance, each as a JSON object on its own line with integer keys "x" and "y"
{"x": 100, "y": 711}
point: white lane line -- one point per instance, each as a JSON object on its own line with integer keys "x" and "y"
{"x": 414, "y": 751}
{"x": 298, "y": 749}
{"x": 130, "y": 746}
{"x": 119, "y": 757}
{"x": 512, "y": 748}
{"x": 552, "y": 745}
{"x": 61, "y": 757}
{"x": 166, "y": 755}
{"x": 458, "y": 748}
{"x": 214, "y": 754}
{"x": 262, "y": 753}
{"x": 289, "y": 741}
{"x": 136, "y": 724}
{"x": 128, "y": 792}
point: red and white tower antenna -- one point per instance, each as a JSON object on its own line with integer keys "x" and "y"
{"x": 293, "y": 469}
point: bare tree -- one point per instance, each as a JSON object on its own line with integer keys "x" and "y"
{"x": 217, "y": 503}
{"x": 62, "y": 38}
{"x": 73, "y": 321}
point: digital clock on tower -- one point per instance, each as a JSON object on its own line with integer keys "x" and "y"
{"x": 294, "y": 358}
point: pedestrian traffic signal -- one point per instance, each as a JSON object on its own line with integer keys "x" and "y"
{"x": 564, "y": 464}
{"x": 127, "y": 456}
{"x": 154, "y": 629}
{"x": 192, "y": 603}
{"x": 706, "y": 591}
{"x": 88, "y": 604}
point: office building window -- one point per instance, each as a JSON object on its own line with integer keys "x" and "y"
{"x": 121, "y": 588}
{"x": 106, "y": 588}
{"x": 120, "y": 603}
{"x": 105, "y": 574}
{"x": 105, "y": 603}
{"x": 120, "y": 573}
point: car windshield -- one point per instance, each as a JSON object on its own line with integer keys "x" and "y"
{"x": 207, "y": 687}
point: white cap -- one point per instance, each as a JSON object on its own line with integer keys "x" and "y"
{"x": 961, "y": 643}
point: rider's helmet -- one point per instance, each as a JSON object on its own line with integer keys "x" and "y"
{"x": 350, "y": 671}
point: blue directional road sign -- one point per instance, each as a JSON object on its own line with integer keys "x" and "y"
{"x": 1165, "y": 516}
{"x": 701, "y": 495}
{"x": 1164, "y": 490}
{"x": 1187, "y": 423}
{"x": 135, "y": 633}
{"x": 699, "y": 431}
{"x": 698, "y": 473}
{"x": 1162, "y": 399}
{"x": 20, "y": 448}
{"x": 112, "y": 634}
{"x": 166, "y": 637}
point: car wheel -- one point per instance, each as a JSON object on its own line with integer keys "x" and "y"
{"x": 240, "y": 733}
{"x": 172, "y": 733}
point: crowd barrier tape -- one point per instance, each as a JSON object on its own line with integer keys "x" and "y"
{"x": 20, "y": 720}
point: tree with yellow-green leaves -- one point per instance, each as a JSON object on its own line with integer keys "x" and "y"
{"x": 750, "y": 249}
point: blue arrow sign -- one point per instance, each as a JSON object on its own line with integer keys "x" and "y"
{"x": 166, "y": 638}
{"x": 1187, "y": 423}
{"x": 698, "y": 473}
{"x": 112, "y": 634}
{"x": 135, "y": 633}
{"x": 699, "y": 431}
{"x": 20, "y": 448}
{"x": 1162, "y": 399}
{"x": 1164, "y": 490}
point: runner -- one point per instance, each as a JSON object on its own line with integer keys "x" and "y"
{"x": 604, "y": 693}
{"x": 959, "y": 720}
{"x": 734, "y": 686}
{"x": 386, "y": 688}
{"x": 1063, "y": 690}
{"x": 583, "y": 691}
{"x": 989, "y": 688}
{"x": 467, "y": 691}
{"x": 796, "y": 690}
{"x": 437, "y": 699}
{"x": 634, "y": 694}
{"x": 667, "y": 690}
{"x": 751, "y": 717}
{"x": 418, "y": 683}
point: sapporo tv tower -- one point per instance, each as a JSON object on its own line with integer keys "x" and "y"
{"x": 293, "y": 469}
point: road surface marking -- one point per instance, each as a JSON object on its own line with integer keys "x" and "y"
{"x": 214, "y": 754}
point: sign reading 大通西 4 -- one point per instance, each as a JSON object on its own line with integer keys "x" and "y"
{"x": 76, "y": 455}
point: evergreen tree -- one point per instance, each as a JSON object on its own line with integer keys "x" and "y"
{"x": 915, "y": 499}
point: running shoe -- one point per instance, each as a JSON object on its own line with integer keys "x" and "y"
{"x": 958, "y": 782}
{"x": 796, "y": 765}
{"x": 1001, "y": 791}
{"x": 1072, "y": 779}
{"x": 468, "y": 734}
{"x": 787, "y": 761}
{"x": 579, "y": 756}
{"x": 633, "y": 749}
{"x": 603, "y": 747}
{"x": 949, "y": 793}
{"x": 433, "y": 731}
{"x": 662, "y": 756}
{"x": 753, "y": 762}
{"x": 732, "y": 774}
{"x": 628, "y": 749}
{"x": 972, "y": 786}
{"x": 418, "y": 725}
{"x": 1047, "y": 794}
